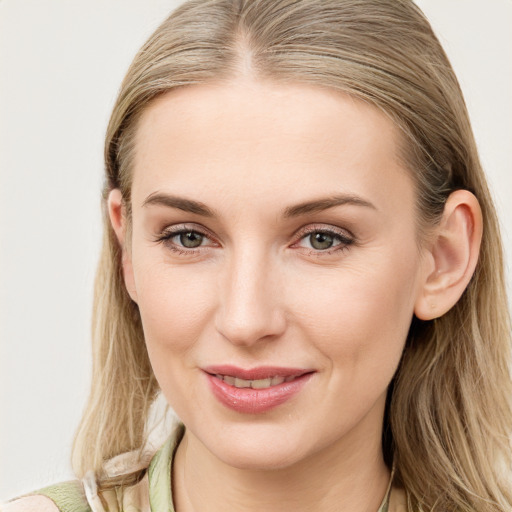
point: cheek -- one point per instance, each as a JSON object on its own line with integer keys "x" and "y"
{"x": 175, "y": 307}
{"x": 174, "y": 302}
{"x": 360, "y": 313}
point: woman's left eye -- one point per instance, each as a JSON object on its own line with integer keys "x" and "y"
{"x": 324, "y": 240}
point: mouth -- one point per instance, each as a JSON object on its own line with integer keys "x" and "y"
{"x": 256, "y": 390}
{"x": 255, "y": 383}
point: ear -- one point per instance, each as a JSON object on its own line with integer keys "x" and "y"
{"x": 118, "y": 220}
{"x": 452, "y": 256}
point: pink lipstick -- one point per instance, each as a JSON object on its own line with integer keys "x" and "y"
{"x": 256, "y": 390}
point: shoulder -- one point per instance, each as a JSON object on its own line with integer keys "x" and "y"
{"x": 36, "y": 503}
{"x": 85, "y": 496}
{"x": 63, "y": 497}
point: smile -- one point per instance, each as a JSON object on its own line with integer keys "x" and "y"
{"x": 257, "y": 390}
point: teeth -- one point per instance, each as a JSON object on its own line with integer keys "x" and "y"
{"x": 261, "y": 384}
{"x": 254, "y": 384}
{"x": 242, "y": 383}
{"x": 228, "y": 379}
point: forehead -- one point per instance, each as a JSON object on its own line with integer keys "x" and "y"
{"x": 284, "y": 141}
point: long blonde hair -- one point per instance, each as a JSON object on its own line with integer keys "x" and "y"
{"x": 448, "y": 415}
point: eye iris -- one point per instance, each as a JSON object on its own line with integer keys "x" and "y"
{"x": 191, "y": 239}
{"x": 321, "y": 241}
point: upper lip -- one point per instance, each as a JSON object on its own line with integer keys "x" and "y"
{"x": 260, "y": 372}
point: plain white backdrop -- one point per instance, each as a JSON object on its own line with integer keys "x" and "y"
{"x": 61, "y": 63}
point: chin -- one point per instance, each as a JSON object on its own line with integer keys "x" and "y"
{"x": 257, "y": 447}
{"x": 253, "y": 458}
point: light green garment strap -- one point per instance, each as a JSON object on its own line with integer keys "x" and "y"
{"x": 384, "y": 507}
{"x": 159, "y": 471}
{"x": 385, "y": 502}
{"x": 68, "y": 496}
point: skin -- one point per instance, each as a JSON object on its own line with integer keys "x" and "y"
{"x": 256, "y": 292}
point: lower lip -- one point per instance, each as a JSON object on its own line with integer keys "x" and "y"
{"x": 255, "y": 401}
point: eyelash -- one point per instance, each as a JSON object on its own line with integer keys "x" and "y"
{"x": 173, "y": 231}
{"x": 344, "y": 239}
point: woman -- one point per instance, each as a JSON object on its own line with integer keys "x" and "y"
{"x": 302, "y": 254}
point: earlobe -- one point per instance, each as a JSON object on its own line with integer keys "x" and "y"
{"x": 452, "y": 256}
{"x": 117, "y": 214}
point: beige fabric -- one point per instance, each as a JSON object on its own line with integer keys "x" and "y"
{"x": 30, "y": 504}
{"x": 131, "y": 499}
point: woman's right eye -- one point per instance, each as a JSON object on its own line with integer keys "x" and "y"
{"x": 189, "y": 239}
{"x": 184, "y": 240}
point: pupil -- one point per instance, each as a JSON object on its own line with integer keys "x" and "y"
{"x": 321, "y": 241}
{"x": 191, "y": 239}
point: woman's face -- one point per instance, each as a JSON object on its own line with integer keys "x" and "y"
{"x": 274, "y": 259}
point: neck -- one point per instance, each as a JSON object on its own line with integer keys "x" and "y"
{"x": 348, "y": 476}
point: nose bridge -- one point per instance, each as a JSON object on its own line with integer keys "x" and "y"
{"x": 249, "y": 308}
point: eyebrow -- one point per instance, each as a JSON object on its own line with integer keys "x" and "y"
{"x": 317, "y": 205}
{"x": 187, "y": 205}
{"x": 322, "y": 204}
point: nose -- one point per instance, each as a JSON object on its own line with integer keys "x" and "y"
{"x": 250, "y": 308}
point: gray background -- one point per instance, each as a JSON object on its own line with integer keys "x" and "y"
{"x": 61, "y": 63}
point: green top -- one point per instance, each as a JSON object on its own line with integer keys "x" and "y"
{"x": 152, "y": 493}
{"x": 68, "y": 496}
